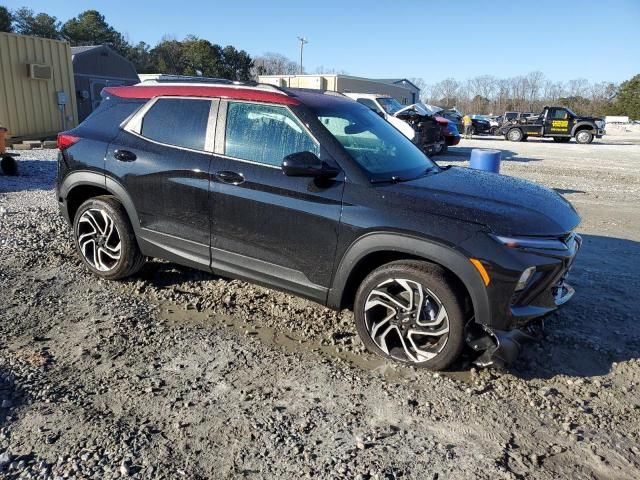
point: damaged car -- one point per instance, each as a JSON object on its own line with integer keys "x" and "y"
{"x": 417, "y": 122}
{"x": 316, "y": 195}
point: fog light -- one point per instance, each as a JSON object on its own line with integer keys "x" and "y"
{"x": 524, "y": 278}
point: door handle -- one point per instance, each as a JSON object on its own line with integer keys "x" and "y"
{"x": 124, "y": 155}
{"x": 231, "y": 178}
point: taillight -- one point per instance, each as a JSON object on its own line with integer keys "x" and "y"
{"x": 65, "y": 140}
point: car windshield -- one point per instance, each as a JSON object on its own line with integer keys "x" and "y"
{"x": 390, "y": 105}
{"x": 384, "y": 152}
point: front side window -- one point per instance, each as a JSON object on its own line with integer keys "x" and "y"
{"x": 177, "y": 121}
{"x": 264, "y": 133}
{"x": 372, "y": 142}
{"x": 559, "y": 114}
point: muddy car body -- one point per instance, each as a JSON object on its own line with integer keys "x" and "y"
{"x": 316, "y": 195}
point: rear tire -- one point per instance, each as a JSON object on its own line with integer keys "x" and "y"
{"x": 105, "y": 240}
{"x": 515, "y": 135}
{"x": 584, "y": 136}
{"x": 408, "y": 311}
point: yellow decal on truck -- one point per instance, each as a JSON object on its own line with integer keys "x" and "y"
{"x": 559, "y": 124}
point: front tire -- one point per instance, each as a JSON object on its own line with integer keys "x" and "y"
{"x": 409, "y": 312}
{"x": 584, "y": 136}
{"x": 105, "y": 240}
{"x": 515, "y": 135}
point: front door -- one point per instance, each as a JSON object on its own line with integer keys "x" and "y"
{"x": 162, "y": 160}
{"x": 559, "y": 122}
{"x": 268, "y": 226}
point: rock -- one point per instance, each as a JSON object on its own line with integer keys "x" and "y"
{"x": 5, "y": 459}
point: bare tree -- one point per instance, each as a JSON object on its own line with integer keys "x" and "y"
{"x": 448, "y": 89}
{"x": 274, "y": 64}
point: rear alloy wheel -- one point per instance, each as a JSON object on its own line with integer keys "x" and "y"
{"x": 105, "y": 240}
{"x": 515, "y": 135}
{"x": 584, "y": 136}
{"x": 408, "y": 312}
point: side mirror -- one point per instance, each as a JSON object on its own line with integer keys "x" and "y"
{"x": 307, "y": 164}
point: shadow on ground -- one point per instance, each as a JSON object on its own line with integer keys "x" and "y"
{"x": 32, "y": 175}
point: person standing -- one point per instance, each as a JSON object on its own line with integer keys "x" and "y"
{"x": 467, "y": 124}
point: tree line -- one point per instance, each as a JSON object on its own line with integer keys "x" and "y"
{"x": 191, "y": 56}
{"x": 487, "y": 94}
{"x": 484, "y": 94}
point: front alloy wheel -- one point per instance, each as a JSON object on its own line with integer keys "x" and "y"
{"x": 410, "y": 312}
{"x": 406, "y": 321}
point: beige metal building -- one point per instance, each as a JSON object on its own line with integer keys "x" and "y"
{"x": 37, "y": 92}
{"x": 342, "y": 84}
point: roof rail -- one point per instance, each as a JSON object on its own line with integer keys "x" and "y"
{"x": 188, "y": 79}
{"x": 164, "y": 78}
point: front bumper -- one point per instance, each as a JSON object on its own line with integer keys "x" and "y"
{"x": 452, "y": 140}
{"x": 514, "y": 315}
{"x": 600, "y": 132}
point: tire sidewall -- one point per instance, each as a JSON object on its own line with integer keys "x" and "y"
{"x": 519, "y": 135}
{"x": 128, "y": 247}
{"x": 588, "y": 137}
{"x": 431, "y": 279}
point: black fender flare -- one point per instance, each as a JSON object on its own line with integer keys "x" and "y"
{"x": 445, "y": 256}
{"x": 580, "y": 125}
{"x": 96, "y": 179}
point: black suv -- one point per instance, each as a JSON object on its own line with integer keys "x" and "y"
{"x": 313, "y": 193}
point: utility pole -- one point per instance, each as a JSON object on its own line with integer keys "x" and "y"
{"x": 302, "y": 42}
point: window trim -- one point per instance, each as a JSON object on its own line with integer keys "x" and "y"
{"x": 133, "y": 124}
{"x": 221, "y": 130}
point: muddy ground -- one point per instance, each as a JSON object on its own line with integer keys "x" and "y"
{"x": 179, "y": 374}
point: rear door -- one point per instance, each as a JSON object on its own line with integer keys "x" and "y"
{"x": 162, "y": 158}
{"x": 267, "y": 226}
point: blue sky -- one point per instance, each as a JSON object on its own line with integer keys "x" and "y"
{"x": 565, "y": 39}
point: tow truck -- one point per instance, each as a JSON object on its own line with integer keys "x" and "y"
{"x": 559, "y": 123}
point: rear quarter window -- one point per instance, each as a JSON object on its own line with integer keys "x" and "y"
{"x": 178, "y": 121}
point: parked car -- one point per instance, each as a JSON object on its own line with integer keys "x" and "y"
{"x": 415, "y": 121}
{"x": 478, "y": 125}
{"x": 449, "y": 132}
{"x": 316, "y": 195}
{"x": 559, "y": 123}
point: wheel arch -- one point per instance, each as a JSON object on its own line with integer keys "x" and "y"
{"x": 376, "y": 249}
{"x": 583, "y": 126}
{"x": 78, "y": 187}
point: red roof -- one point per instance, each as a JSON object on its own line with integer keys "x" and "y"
{"x": 151, "y": 91}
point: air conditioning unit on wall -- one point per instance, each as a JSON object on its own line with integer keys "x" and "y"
{"x": 39, "y": 72}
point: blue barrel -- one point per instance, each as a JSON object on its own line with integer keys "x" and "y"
{"x": 485, "y": 159}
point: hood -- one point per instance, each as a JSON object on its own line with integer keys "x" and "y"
{"x": 506, "y": 205}
{"x": 419, "y": 107}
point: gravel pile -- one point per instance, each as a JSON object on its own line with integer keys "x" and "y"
{"x": 179, "y": 374}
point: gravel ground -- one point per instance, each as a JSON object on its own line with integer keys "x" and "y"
{"x": 178, "y": 374}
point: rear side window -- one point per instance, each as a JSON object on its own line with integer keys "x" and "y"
{"x": 264, "y": 133}
{"x": 178, "y": 121}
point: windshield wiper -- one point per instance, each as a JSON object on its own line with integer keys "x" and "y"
{"x": 392, "y": 179}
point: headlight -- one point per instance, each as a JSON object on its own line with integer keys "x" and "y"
{"x": 600, "y": 123}
{"x": 531, "y": 242}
